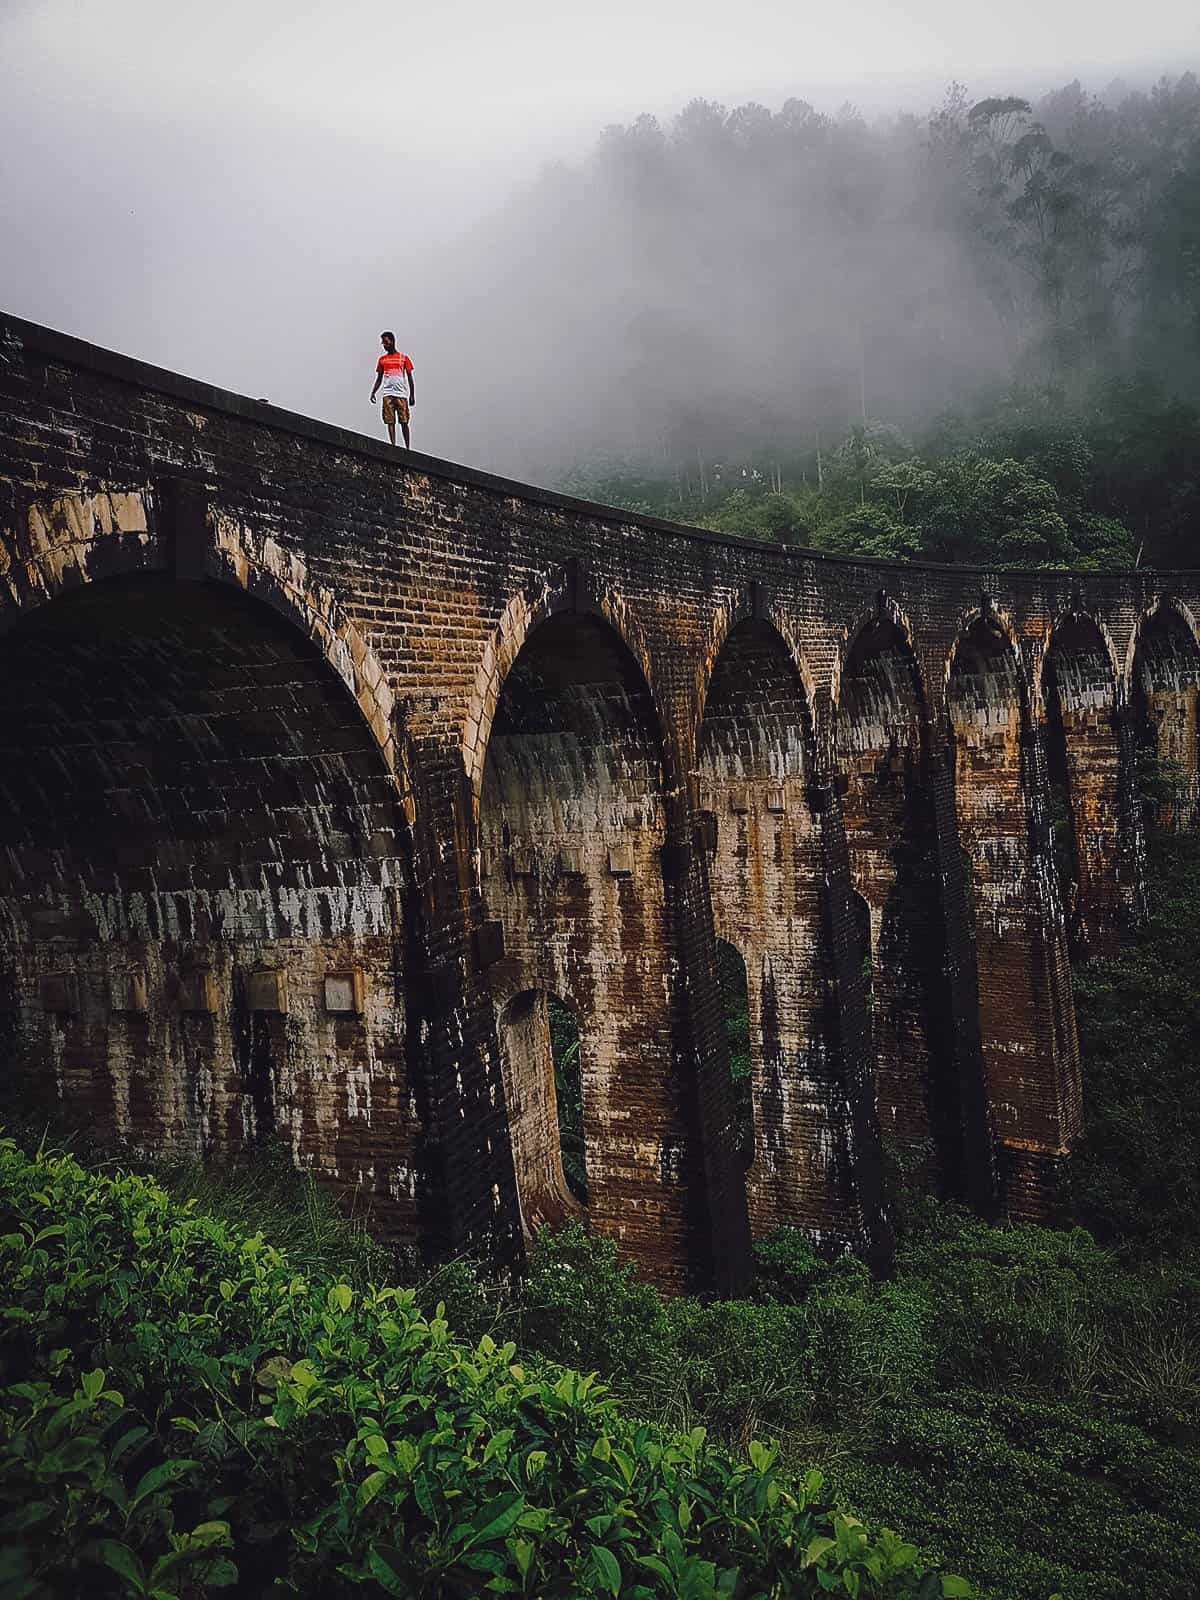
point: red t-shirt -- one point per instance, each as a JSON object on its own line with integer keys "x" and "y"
{"x": 394, "y": 368}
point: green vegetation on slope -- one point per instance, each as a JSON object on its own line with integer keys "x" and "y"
{"x": 182, "y": 1411}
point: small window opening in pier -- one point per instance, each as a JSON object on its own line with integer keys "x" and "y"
{"x": 735, "y": 1012}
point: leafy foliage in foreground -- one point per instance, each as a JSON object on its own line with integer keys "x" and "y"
{"x": 268, "y": 1427}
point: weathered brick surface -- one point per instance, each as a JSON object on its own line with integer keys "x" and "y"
{"x": 882, "y": 743}
{"x": 280, "y": 706}
{"x": 1165, "y": 688}
{"x": 756, "y": 761}
{"x": 1083, "y": 743}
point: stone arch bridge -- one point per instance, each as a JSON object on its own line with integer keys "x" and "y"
{"x": 322, "y": 769}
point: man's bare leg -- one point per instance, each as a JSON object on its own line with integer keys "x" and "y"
{"x": 391, "y": 428}
{"x": 407, "y": 436}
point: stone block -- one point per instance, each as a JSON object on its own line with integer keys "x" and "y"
{"x": 266, "y": 990}
{"x": 620, "y": 860}
{"x": 344, "y": 992}
{"x": 570, "y": 860}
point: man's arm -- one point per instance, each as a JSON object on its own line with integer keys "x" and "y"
{"x": 412, "y": 388}
{"x": 378, "y": 381}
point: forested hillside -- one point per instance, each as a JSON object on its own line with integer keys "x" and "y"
{"x": 967, "y": 335}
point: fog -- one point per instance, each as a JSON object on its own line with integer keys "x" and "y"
{"x": 248, "y": 193}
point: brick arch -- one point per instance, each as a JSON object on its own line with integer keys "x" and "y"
{"x": 741, "y": 608}
{"x": 1165, "y": 700}
{"x": 80, "y": 539}
{"x": 571, "y": 802}
{"x": 1078, "y": 685}
{"x": 1002, "y": 624}
{"x": 524, "y": 613}
{"x": 756, "y": 771}
{"x": 1026, "y": 1009}
{"x": 1162, "y": 603}
{"x": 224, "y": 814}
{"x": 881, "y": 737}
{"x": 885, "y": 611}
{"x": 1074, "y": 617}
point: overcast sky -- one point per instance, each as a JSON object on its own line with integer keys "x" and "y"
{"x": 246, "y": 190}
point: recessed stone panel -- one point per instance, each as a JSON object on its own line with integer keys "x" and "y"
{"x": 620, "y": 860}
{"x": 266, "y": 990}
{"x": 344, "y": 992}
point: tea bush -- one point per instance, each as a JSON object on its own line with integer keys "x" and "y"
{"x": 271, "y": 1428}
{"x": 1010, "y": 1389}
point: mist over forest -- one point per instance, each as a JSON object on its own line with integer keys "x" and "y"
{"x": 740, "y": 287}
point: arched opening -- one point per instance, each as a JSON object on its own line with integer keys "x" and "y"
{"x": 543, "y": 1093}
{"x": 864, "y": 944}
{"x": 565, "y": 1046}
{"x": 766, "y": 875}
{"x": 1166, "y": 704}
{"x": 571, "y": 829}
{"x": 199, "y": 842}
{"x": 891, "y": 834}
{"x": 1026, "y": 1012}
{"x": 1083, "y": 761}
{"x": 734, "y": 986}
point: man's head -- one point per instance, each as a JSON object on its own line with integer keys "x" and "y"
{"x": 389, "y": 342}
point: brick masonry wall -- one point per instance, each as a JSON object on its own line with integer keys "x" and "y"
{"x": 1083, "y": 746}
{"x": 756, "y": 762}
{"x": 571, "y": 830}
{"x": 416, "y": 585}
{"x": 882, "y": 743}
{"x": 1166, "y": 687}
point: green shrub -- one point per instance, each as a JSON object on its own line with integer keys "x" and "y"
{"x": 580, "y": 1305}
{"x": 277, "y": 1428}
{"x": 786, "y": 1266}
{"x": 1019, "y": 1487}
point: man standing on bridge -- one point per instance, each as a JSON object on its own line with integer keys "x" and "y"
{"x": 392, "y": 369}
